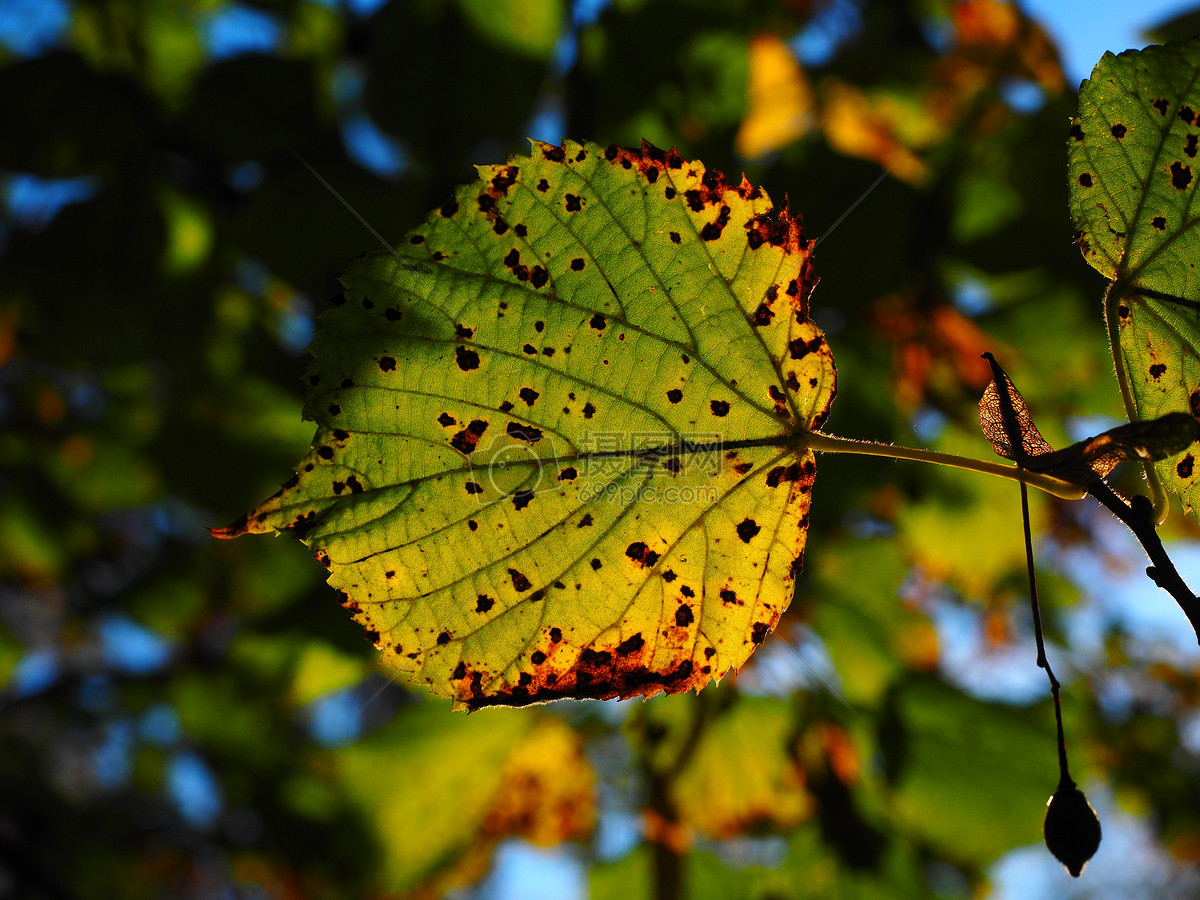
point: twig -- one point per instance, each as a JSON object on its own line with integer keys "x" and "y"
{"x": 1138, "y": 516}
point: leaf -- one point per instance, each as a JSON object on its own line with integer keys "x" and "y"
{"x": 561, "y": 455}
{"x": 1005, "y": 420}
{"x": 1132, "y": 177}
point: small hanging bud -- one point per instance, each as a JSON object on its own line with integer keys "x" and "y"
{"x": 1071, "y": 829}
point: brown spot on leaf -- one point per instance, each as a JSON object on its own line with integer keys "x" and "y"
{"x": 519, "y": 581}
{"x": 460, "y": 671}
{"x": 630, "y": 645}
{"x": 523, "y": 432}
{"x": 465, "y": 440}
{"x": 728, "y": 596}
{"x": 758, "y": 633}
{"x": 1185, "y": 466}
{"x": 763, "y": 315}
{"x": 684, "y": 616}
{"x": 574, "y": 203}
{"x": 712, "y": 231}
{"x": 720, "y": 408}
{"x": 554, "y": 154}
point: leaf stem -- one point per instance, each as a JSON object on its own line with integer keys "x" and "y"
{"x": 828, "y": 443}
{"x": 1112, "y": 300}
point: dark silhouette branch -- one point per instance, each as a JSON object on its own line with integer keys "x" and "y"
{"x": 1138, "y": 516}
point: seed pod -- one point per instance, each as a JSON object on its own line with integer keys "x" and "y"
{"x": 1071, "y": 829}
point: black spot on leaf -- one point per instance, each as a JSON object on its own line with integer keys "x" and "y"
{"x": 684, "y": 616}
{"x": 577, "y": 264}
{"x": 1161, "y": 105}
{"x": 449, "y": 209}
{"x": 523, "y": 432}
{"x": 1159, "y": 222}
{"x": 529, "y": 395}
{"x": 596, "y": 564}
{"x": 522, "y": 499}
{"x": 473, "y": 488}
{"x": 1085, "y": 180}
{"x": 1185, "y": 466}
{"x": 1181, "y": 175}
{"x": 387, "y": 363}
{"x": 758, "y": 633}
{"x": 747, "y": 529}
{"x": 1118, "y": 131}
{"x": 568, "y": 474}
{"x": 728, "y": 596}
{"x": 598, "y": 322}
{"x": 574, "y": 203}
{"x": 675, "y": 395}
{"x": 519, "y": 581}
{"x": 720, "y": 408}
{"x": 466, "y": 358}
{"x": 483, "y": 603}
{"x": 1157, "y": 370}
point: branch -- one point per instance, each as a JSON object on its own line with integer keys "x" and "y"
{"x": 1139, "y": 517}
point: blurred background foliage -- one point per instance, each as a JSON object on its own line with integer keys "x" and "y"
{"x": 186, "y": 718}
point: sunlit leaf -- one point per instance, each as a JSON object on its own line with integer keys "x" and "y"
{"x": 560, "y": 454}
{"x": 780, "y": 102}
{"x": 1132, "y": 178}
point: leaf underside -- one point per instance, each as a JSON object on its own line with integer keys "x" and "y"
{"x": 1007, "y": 423}
{"x": 1133, "y": 176}
{"x": 560, "y": 451}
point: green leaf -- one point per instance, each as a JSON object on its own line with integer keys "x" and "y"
{"x": 1133, "y": 176}
{"x": 560, "y": 449}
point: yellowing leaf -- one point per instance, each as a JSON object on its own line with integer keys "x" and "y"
{"x": 560, "y": 453}
{"x": 742, "y": 775}
{"x": 547, "y": 791}
{"x": 858, "y": 125}
{"x": 780, "y": 101}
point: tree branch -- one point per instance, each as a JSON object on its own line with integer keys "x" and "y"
{"x": 1138, "y": 516}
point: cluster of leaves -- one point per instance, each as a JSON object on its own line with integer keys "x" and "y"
{"x": 151, "y": 340}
